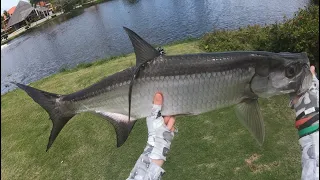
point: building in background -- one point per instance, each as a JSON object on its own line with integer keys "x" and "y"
{"x": 24, "y": 14}
{"x": 46, "y": 5}
{"x": 6, "y": 18}
{"x": 11, "y": 10}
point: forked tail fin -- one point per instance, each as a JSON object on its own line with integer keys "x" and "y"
{"x": 50, "y": 102}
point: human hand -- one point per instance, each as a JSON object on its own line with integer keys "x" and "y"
{"x": 160, "y": 132}
{"x": 307, "y": 107}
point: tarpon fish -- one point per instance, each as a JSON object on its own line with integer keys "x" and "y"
{"x": 191, "y": 84}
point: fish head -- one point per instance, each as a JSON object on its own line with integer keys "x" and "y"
{"x": 282, "y": 73}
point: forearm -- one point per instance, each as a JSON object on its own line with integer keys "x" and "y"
{"x": 310, "y": 156}
{"x": 307, "y": 123}
{"x": 309, "y": 142}
{"x": 148, "y": 166}
{"x": 146, "y": 169}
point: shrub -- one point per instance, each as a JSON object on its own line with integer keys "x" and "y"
{"x": 232, "y": 40}
{"x": 299, "y": 34}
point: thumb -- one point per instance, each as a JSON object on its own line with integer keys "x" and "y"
{"x": 157, "y": 105}
{"x": 313, "y": 70}
{"x": 157, "y": 99}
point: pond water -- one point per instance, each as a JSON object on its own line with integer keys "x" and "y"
{"x": 97, "y": 32}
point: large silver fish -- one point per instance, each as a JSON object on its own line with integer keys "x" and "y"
{"x": 191, "y": 84}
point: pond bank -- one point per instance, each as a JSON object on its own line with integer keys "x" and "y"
{"x": 32, "y": 26}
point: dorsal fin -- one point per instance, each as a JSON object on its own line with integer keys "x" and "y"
{"x": 144, "y": 53}
{"x": 143, "y": 50}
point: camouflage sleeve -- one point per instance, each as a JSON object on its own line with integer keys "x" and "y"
{"x": 158, "y": 145}
{"x": 310, "y": 156}
{"x": 307, "y": 123}
{"x": 145, "y": 169}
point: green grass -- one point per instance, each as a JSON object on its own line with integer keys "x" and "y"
{"x": 213, "y": 145}
{"x": 95, "y": 63}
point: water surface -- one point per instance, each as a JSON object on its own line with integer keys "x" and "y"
{"x": 97, "y": 32}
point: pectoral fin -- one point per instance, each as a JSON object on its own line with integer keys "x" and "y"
{"x": 120, "y": 123}
{"x": 249, "y": 114}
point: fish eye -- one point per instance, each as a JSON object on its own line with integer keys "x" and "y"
{"x": 291, "y": 71}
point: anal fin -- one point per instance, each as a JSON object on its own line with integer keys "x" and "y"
{"x": 249, "y": 114}
{"x": 120, "y": 123}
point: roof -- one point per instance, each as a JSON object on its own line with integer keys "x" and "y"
{"x": 21, "y": 12}
{"x": 11, "y": 10}
{"x": 26, "y": 12}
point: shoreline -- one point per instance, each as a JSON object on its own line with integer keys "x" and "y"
{"x": 32, "y": 27}
{"x": 102, "y": 62}
{"x": 73, "y": 11}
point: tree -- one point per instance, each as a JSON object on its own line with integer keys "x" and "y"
{"x": 67, "y": 5}
{"x": 2, "y": 22}
{"x": 6, "y": 14}
{"x": 35, "y": 2}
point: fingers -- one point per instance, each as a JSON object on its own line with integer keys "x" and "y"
{"x": 166, "y": 119}
{"x": 169, "y": 121}
{"x": 295, "y": 100}
{"x": 170, "y": 124}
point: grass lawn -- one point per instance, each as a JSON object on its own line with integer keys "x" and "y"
{"x": 213, "y": 145}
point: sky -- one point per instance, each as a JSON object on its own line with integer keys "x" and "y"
{"x": 7, "y": 4}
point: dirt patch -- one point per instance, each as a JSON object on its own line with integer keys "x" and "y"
{"x": 252, "y": 158}
{"x": 256, "y": 168}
